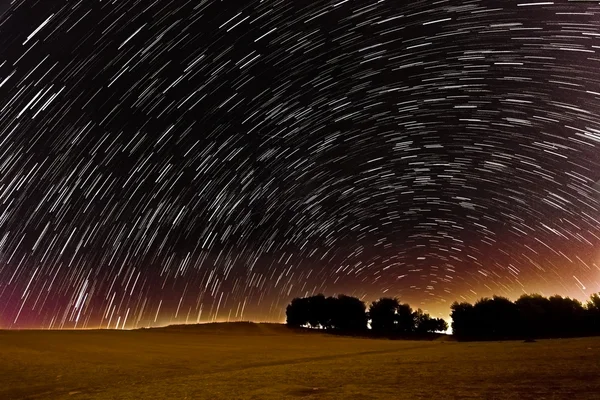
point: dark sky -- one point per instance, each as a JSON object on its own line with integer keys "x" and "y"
{"x": 184, "y": 161}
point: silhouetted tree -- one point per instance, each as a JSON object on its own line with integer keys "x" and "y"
{"x": 422, "y": 321}
{"x": 383, "y": 314}
{"x": 594, "y": 303}
{"x": 328, "y": 312}
{"x": 297, "y": 312}
{"x": 497, "y": 318}
{"x": 319, "y": 311}
{"x": 348, "y": 314}
{"x": 534, "y": 315}
{"x": 440, "y": 325}
{"x": 463, "y": 320}
{"x": 388, "y": 316}
{"x": 406, "y": 321}
{"x": 425, "y": 324}
{"x": 592, "y": 315}
{"x": 343, "y": 313}
{"x": 313, "y": 311}
{"x": 566, "y": 317}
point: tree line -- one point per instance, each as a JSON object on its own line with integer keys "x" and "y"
{"x": 531, "y": 316}
{"x": 386, "y": 316}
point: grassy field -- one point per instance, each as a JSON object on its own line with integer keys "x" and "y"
{"x": 244, "y": 361}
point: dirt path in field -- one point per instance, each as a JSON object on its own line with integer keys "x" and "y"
{"x": 304, "y": 360}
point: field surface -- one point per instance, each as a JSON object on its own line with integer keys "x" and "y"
{"x": 263, "y": 361}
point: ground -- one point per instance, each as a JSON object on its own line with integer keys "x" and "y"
{"x": 250, "y": 361}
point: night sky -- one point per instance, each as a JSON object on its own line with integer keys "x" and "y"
{"x": 190, "y": 161}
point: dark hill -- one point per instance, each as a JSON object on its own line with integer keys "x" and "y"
{"x": 234, "y": 328}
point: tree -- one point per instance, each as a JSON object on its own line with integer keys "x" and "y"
{"x": 463, "y": 319}
{"x": 343, "y": 313}
{"x": 383, "y": 314}
{"x": 592, "y": 315}
{"x": 406, "y": 321}
{"x": 348, "y": 314}
{"x": 566, "y": 317}
{"x": 425, "y": 324}
{"x": 297, "y": 312}
{"x": 496, "y": 318}
{"x": 314, "y": 311}
{"x": 319, "y": 311}
{"x": 422, "y": 321}
{"x": 388, "y": 316}
{"x": 440, "y": 325}
{"x": 533, "y": 313}
{"x": 594, "y": 303}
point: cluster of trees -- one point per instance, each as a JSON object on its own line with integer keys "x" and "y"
{"x": 387, "y": 316}
{"x": 531, "y": 316}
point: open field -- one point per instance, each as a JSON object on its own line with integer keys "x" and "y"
{"x": 246, "y": 361}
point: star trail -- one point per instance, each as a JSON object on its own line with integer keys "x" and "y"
{"x": 191, "y": 161}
